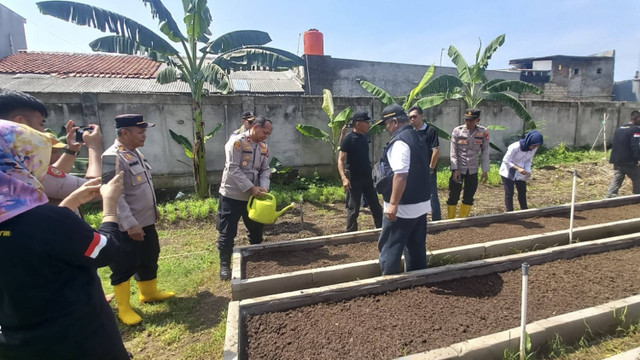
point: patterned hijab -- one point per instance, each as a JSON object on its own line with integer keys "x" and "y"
{"x": 24, "y": 157}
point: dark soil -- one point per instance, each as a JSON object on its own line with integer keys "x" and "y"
{"x": 423, "y": 318}
{"x": 269, "y": 263}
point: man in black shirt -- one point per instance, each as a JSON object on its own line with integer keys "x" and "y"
{"x": 354, "y": 151}
{"x": 625, "y": 155}
{"x": 429, "y": 135}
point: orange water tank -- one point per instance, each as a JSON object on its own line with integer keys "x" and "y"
{"x": 313, "y": 42}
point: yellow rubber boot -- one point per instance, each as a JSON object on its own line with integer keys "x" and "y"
{"x": 465, "y": 210}
{"x": 149, "y": 291}
{"x": 125, "y": 312}
{"x": 451, "y": 211}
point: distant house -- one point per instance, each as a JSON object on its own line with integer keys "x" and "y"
{"x": 12, "y": 36}
{"x": 570, "y": 77}
{"x": 627, "y": 90}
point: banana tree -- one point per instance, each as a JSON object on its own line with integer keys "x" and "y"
{"x": 472, "y": 85}
{"x": 414, "y": 97}
{"x": 336, "y": 122}
{"x": 190, "y": 65}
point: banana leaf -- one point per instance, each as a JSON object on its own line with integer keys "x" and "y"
{"x": 184, "y": 142}
{"x": 312, "y": 132}
{"x": 212, "y": 133}
{"x": 327, "y": 103}
{"x": 236, "y": 39}
{"x": 168, "y": 26}
{"x": 378, "y": 92}
{"x": 106, "y": 21}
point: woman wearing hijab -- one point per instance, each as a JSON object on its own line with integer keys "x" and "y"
{"x": 516, "y": 168}
{"x": 51, "y": 301}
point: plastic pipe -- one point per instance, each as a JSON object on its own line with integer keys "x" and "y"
{"x": 573, "y": 205}
{"x": 523, "y": 312}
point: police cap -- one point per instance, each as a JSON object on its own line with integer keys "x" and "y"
{"x": 126, "y": 120}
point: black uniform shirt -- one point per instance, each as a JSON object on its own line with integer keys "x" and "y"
{"x": 51, "y": 301}
{"x": 430, "y": 136}
{"x": 357, "y": 148}
{"x": 626, "y": 145}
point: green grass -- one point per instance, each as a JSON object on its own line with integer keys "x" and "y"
{"x": 193, "y": 325}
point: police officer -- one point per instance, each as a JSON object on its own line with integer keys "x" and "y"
{"x": 354, "y": 151}
{"x": 246, "y": 172}
{"x": 247, "y": 120}
{"x": 467, "y": 142}
{"x": 625, "y": 155}
{"x": 137, "y": 215}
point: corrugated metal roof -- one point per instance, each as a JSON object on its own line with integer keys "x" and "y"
{"x": 243, "y": 81}
{"x": 51, "y": 84}
{"x": 266, "y": 82}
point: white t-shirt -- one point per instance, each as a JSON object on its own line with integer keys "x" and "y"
{"x": 399, "y": 155}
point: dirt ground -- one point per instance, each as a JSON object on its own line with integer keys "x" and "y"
{"x": 414, "y": 320}
{"x": 549, "y": 186}
{"x": 423, "y": 318}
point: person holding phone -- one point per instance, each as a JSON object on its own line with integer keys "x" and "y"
{"x": 137, "y": 216}
{"x": 52, "y": 305}
{"x": 25, "y": 109}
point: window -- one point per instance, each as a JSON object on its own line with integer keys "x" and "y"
{"x": 599, "y": 71}
{"x": 560, "y": 67}
{"x": 576, "y": 71}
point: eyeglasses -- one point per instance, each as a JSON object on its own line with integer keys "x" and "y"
{"x": 411, "y": 117}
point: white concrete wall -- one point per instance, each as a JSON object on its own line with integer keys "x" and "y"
{"x": 574, "y": 123}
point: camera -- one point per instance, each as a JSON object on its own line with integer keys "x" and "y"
{"x": 81, "y": 131}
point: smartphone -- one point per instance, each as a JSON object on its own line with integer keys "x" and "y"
{"x": 81, "y": 131}
{"x": 109, "y": 167}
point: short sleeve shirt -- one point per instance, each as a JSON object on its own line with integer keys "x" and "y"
{"x": 357, "y": 148}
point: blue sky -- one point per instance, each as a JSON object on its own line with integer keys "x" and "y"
{"x": 393, "y": 31}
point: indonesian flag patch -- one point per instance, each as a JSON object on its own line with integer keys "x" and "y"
{"x": 98, "y": 242}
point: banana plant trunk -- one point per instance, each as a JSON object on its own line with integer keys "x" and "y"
{"x": 199, "y": 160}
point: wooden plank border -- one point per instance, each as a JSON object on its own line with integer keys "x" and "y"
{"x": 305, "y": 279}
{"x": 240, "y": 253}
{"x": 235, "y": 341}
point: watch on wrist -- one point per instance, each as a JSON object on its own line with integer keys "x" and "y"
{"x": 66, "y": 150}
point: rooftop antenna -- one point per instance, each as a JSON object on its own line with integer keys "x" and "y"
{"x": 298, "y": 50}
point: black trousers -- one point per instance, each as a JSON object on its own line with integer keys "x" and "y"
{"x": 140, "y": 258}
{"x": 362, "y": 186}
{"x": 229, "y": 213}
{"x": 521, "y": 185}
{"x": 470, "y": 182}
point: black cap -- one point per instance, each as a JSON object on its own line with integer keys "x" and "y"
{"x": 126, "y": 120}
{"x": 390, "y": 111}
{"x": 360, "y": 116}
{"x": 248, "y": 115}
{"x": 471, "y": 114}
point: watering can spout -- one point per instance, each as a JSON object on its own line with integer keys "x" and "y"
{"x": 287, "y": 208}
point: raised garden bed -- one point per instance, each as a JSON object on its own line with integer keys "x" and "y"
{"x": 381, "y": 322}
{"x": 270, "y": 259}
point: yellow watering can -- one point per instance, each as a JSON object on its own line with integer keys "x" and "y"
{"x": 263, "y": 210}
